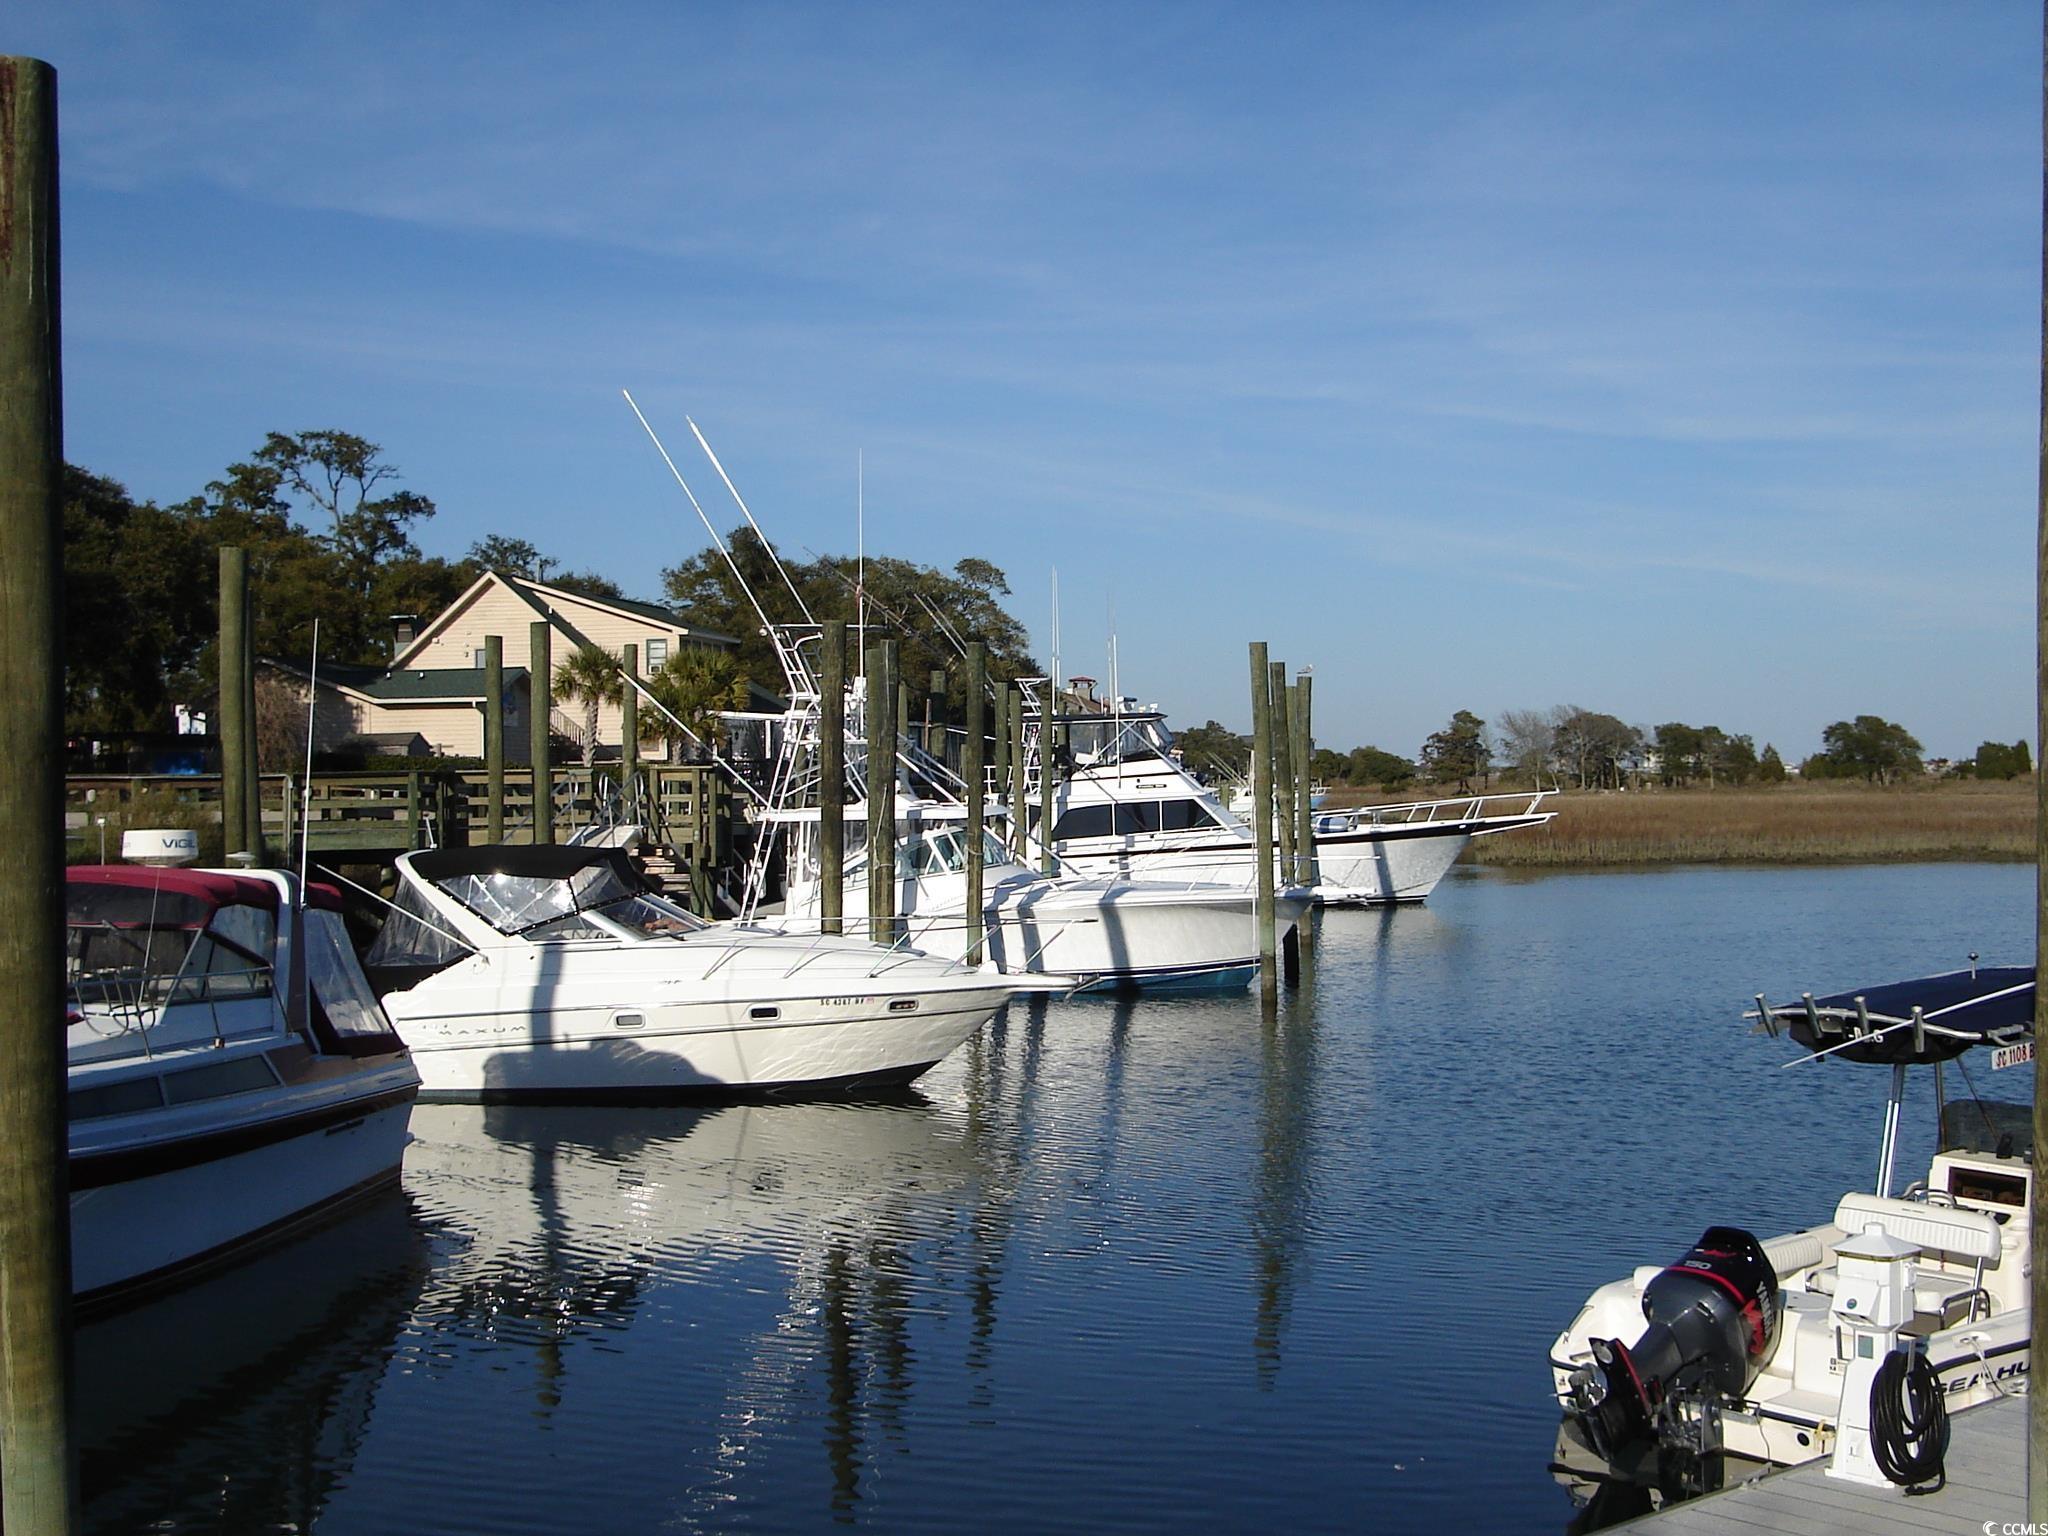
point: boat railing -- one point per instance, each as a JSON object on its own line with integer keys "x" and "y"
{"x": 1459, "y": 809}
{"x": 147, "y": 1009}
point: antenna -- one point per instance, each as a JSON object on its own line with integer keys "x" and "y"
{"x": 796, "y": 681}
{"x": 801, "y": 606}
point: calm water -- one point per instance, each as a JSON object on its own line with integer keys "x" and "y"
{"x": 1142, "y": 1267}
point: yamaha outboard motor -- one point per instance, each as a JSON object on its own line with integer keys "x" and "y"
{"x": 1713, "y": 1319}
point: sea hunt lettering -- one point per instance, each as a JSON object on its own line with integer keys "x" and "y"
{"x": 1980, "y": 1378}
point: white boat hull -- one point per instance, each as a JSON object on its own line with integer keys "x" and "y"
{"x": 154, "y": 1226}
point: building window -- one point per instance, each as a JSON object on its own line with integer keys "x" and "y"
{"x": 476, "y": 658}
{"x": 657, "y": 653}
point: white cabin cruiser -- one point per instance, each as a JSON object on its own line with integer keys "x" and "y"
{"x": 1117, "y": 933}
{"x": 1128, "y": 807}
{"x": 1805, "y": 1345}
{"x": 230, "y": 1071}
{"x": 555, "y": 972}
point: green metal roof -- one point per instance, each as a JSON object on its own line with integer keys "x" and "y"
{"x": 422, "y": 685}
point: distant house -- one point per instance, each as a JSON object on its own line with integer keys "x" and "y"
{"x": 507, "y": 606}
{"x": 406, "y": 712}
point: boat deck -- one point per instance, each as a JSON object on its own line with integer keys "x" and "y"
{"x": 1987, "y": 1486}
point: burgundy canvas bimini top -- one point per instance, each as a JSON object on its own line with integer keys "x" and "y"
{"x": 214, "y": 887}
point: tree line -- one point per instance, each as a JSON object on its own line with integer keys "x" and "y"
{"x": 330, "y": 531}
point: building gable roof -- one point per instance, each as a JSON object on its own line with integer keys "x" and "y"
{"x": 547, "y": 603}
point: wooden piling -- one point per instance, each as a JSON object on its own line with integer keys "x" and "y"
{"x": 832, "y": 777}
{"x": 629, "y": 735}
{"x": 1304, "y": 781}
{"x": 252, "y": 832}
{"x": 1262, "y": 816}
{"x": 1001, "y": 727}
{"x": 971, "y": 758}
{"x": 540, "y": 705}
{"x": 2037, "y": 1400}
{"x": 1048, "y": 861}
{"x": 1283, "y": 776}
{"x": 232, "y": 657}
{"x": 38, "y": 1476}
{"x": 494, "y": 739}
{"x": 935, "y": 715}
{"x": 1018, "y": 788}
{"x": 881, "y": 788}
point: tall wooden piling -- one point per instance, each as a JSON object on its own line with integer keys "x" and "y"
{"x": 1283, "y": 775}
{"x": 38, "y": 1478}
{"x": 832, "y": 776}
{"x": 1018, "y": 787}
{"x": 882, "y": 700}
{"x": 1048, "y": 775}
{"x": 1304, "y": 782}
{"x": 232, "y": 656}
{"x": 494, "y": 739}
{"x": 629, "y": 735}
{"x": 971, "y": 759}
{"x": 252, "y": 802}
{"x": 540, "y": 707}
{"x": 1262, "y": 816}
{"x": 2037, "y": 1400}
{"x": 935, "y": 715}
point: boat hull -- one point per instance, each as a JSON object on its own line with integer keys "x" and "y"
{"x": 169, "y": 1210}
{"x": 684, "y": 1051}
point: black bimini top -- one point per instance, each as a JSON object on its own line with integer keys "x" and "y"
{"x": 1959, "y": 1009}
{"x": 547, "y": 861}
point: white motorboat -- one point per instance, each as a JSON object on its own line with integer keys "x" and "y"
{"x": 1784, "y": 1350}
{"x": 1130, "y": 808}
{"x": 1118, "y": 933}
{"x": 555, "y": 972}
{"x": 230, "y": 1072}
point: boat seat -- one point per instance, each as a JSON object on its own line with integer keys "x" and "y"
{"x": 1971, "y": 1236}
{"x": 1795, "y": 1251}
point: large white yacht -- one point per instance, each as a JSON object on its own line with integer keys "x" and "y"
{"x": 1118, "y": 934}
{"x": 555, "y": 972}
{"x": 1778, "y": 1350}
{"x": 1128, "y": 807}
{"x": 230, "y": 1070}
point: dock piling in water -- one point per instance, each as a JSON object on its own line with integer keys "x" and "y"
{"x": 38, "y": 1474}
{"x": 832, "y": 777}
{"x": 494, "y": 738}
{"x": 232, "y": 660}
{"x": 540, "y": 680}
{"x": 971, "y": 751}
{"x": 1262, "y": 817}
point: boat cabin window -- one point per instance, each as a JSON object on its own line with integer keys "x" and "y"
{"x": 1184, "y": 816}
{"x": 651, "y": 916}
{"x": 138, "y": 948}
{"x": 414, "y": 935}
{"x": 1084, "y": 821}
{"x": 936, "y": 853}
{"x": 543, "y": 909}
{"x": 339, "y": 986}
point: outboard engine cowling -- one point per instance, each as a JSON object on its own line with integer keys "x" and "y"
{"x": 1713, "y": 1322}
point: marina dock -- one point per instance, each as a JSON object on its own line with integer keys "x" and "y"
{"x": 1987, "y": 1487}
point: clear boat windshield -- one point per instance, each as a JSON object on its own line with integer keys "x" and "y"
{"x": 1118, "y": 739}
{"x": 130, "y": 949}
{"x": 543, "y": 909}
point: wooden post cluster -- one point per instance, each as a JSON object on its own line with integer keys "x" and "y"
{"x": 832, "y": 776}
{"x": 236, "y": 790}
{"x": 1262, "y": 815}
{"x": 540, "y": 680}
{"x": 494, "y": 739}
{"x": 971, "y": 758}
{"x": 38, "y": 1477}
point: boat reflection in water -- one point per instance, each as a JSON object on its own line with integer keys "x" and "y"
{"x": 241, "y": 1401}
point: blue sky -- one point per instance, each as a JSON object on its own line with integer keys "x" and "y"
{"x": 1675, "y": 361}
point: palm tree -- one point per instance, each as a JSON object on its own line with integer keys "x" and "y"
{"x": 590, "y": 673}
{"x": 694, "y": 684}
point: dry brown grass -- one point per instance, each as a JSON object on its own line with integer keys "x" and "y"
{"x": 1783, "y": 824}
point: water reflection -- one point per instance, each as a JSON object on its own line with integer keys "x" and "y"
{"x": 241, "y": 1401}
{"x": 1282, "y": 1174}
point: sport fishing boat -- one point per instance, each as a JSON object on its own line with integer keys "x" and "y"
{"x": 557, "y": 972}
{"x": 1130, "y": 808}
{"x": 1821, "y": 1342}
{"x": 230, "y": 1072}
{"x": 1120, "y": 934}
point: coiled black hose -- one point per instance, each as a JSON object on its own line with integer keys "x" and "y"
{"x": 1909, "y": 1422}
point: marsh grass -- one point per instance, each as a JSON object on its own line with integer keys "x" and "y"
{"x": 1784, "y": 824}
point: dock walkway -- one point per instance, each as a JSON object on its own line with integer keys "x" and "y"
{"x": 1987, "y": 1488}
